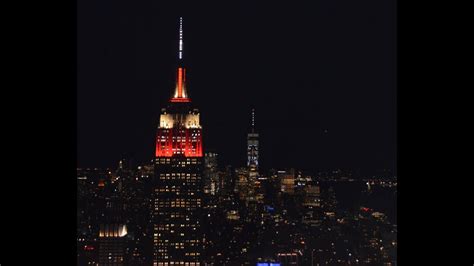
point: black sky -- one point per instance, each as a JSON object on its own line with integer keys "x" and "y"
{"x": 322, "y": 77}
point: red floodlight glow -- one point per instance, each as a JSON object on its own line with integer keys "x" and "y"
{"x": 191, "y": 146}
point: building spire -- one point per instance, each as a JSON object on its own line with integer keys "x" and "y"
{"x": 180, "y": 93}
{"x": 180, "y": 52}
{"x": 253, "y": 120}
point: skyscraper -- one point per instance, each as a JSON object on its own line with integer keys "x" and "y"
{"x": 177, "y": 185}
{"x": 211, "y": 176}
{"x": 252, "y": 160}
{"x": 252, "y": 149}
{"x": 112, "y": 244}
{"x": 242, "y": 184}
{"x": 112, "y": 233}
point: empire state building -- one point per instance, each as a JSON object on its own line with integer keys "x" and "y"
{"x": 177, "y": 185}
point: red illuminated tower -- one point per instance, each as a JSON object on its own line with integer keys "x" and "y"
{"x": 177, "y": 185}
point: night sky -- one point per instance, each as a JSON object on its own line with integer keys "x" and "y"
{"x": 322, "y": 77}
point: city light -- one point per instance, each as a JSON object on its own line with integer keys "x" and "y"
{"x": 188, "y": 204}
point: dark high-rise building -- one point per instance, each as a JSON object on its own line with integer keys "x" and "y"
{"x": 211, "y": 176}
{"x": 242, "y": 183}
{"x": 177, "y": 185}
{"x": 112, "y": 234}
{"x": 226, "y": 181}
{"x": 112, "y": 244}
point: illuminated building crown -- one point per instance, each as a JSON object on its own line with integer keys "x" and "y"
{"x": 180, "y": 93}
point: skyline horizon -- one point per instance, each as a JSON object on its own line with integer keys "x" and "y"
{"x": 330, "y": 106}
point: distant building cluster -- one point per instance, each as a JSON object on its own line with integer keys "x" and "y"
{"x": 298, "y": 222}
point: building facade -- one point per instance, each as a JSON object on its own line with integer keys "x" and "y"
{"x": 112, "y": 244}
{"x": 287, "y": 181}
{"x": 211, "y": 174}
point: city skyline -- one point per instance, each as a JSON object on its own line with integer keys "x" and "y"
{"x": 184, "y": 208}
{"x": 339, "y": 98}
